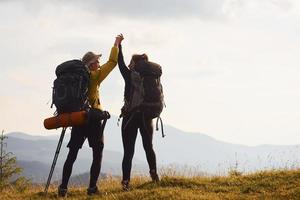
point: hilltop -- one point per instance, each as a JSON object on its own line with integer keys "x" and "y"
{"x": 179, "y": 149}
{"x": 275, "y": 184}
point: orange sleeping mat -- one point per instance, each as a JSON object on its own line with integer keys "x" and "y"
{"x": 66, "y": 119}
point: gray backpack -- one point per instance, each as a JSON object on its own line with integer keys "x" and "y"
{"x": 146, "y": 89}
{"x": 146, "y": 93}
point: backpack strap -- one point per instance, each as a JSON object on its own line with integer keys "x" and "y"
{"x": 79, "y": 90}
{"x": 158, "y": 119}
{"x": 119, "y": 118}
{"x": 52, "y": 97}
{"x": 124, "y": 111}
{"x": 161, "y": 125}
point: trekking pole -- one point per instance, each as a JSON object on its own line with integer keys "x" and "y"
{"x": 55, "y": 158}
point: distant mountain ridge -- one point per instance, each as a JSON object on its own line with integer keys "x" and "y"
{"x": 25, "y": 136}
{"x": 35, "y": 155}
{"x": 178, "y": 148}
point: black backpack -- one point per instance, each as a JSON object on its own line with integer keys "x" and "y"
{"x": 70, "y": 88}
{"x": 146, "y": 92}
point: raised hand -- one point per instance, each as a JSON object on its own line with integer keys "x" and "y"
{"x": 119, "y": 39}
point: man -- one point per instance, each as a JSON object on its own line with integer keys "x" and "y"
{"x": 91, "y": 130}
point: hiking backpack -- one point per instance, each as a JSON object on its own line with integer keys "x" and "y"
{"x": 146, "y": 91}
{"x": 70, "y": 88}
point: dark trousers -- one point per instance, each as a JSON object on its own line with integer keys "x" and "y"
{"x": 78, "y": 136}
{"x": 130, "y": 126}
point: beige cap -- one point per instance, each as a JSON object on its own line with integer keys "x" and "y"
{"x": 90, "y": 58}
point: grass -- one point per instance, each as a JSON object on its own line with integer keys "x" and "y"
{"x": 274, "y": 184}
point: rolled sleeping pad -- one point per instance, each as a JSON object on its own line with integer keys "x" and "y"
{"x": 66, "y": 119}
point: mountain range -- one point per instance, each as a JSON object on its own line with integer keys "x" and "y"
{"x": 187, "y": 153}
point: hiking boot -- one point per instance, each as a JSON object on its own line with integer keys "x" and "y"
{"x": 93, "y": 191}
{"x": 125, "y": 185}
{"x": 154, "y": 176}
{"x": 62, "y": 192}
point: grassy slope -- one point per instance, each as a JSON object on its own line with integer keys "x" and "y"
{"x": 283, "y": 184}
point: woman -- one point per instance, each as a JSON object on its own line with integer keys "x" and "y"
{"x": 92, "y": 130}
{"x": 132, "y": 121}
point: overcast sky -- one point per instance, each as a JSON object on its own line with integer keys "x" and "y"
{"x": 230, "y": 67}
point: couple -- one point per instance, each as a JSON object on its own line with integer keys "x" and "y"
{"x": 132, "y": 121}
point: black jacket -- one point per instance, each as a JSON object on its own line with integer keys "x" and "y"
{"x": 126, "y": 73}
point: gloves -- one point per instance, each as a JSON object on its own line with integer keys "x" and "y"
{"x": 96, "y": 115}
{"x": 105, "y": 115}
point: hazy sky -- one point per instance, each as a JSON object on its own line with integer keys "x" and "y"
{"x": 230, "y": 67}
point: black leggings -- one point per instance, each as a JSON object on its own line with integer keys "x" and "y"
{"x": 130, "y": 126}
{"x": 95, "y": 168}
